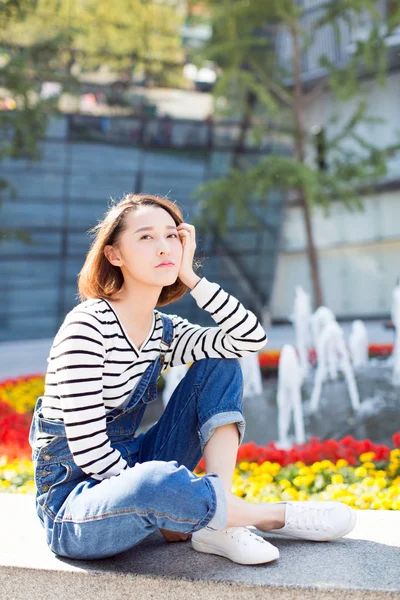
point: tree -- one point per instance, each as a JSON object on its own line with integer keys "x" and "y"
{"x": 25, "y": 113}
{"x": 125, "y": 35}
{"x": 258, "y": 89}
{"x": 46, "y": 41}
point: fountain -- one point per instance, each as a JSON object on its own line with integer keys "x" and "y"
{"x": 322, "y": 316}
{"x": 372, "y": 388}
{"x": 302, "y": 323}
{"x": 395, "y": 314}
{"x": 358, "y": 344}
{"x": 290, "y": 377}
{"x": 333, "y": 356}
{"x": 371, "y": 385}
{"x": 172, "y": 377}
{"x": 252, "y": 381}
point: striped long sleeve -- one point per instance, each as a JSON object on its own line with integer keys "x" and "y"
{"x": 238, "y": 332}
{"x": 77, "y": 362}
{"x": 93, "y": 366}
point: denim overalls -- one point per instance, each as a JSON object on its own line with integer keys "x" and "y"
{"x": 86, "y": 518}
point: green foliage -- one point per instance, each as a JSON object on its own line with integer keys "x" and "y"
{"x": 272, "y": 172}
{"x": 348, "y": 170}
{"x": 23, "y": 68}
{"x": 124, "y": 35}
{"x": 11, "y": 10}
{"x": 244, "y": 43}
{"x": 47, "y": 40}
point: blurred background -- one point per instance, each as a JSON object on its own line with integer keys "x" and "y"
{"x": 275, "y": 127}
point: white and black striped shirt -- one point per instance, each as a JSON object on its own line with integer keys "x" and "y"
{"x": 93, "y": 366}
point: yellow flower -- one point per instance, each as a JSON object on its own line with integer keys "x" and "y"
{"x": 303, "y": 480}
{"x": 381, "y": 505}
{"x": 360, "y": 472}
{"x": 381, "y": 473}
{"x": 353, "y": 487}
{"x": 367, "y": 456}
{"x": 244, "y": 465}
{"x": 337, "y": 478}
{"x": 341, "y": 463}
{"x": 264, "y": 479}
{"x": 305, "y": 471}
{"x": 368, "y": 497}
{"x": 326, "y": 464}
{"x": 272, "y": 468}
{"x": 381, "y": 483}
{"x": 369, "y": 481}
{"x": 22, "y": 394}
{"x": 316, "y": 467}
{"x": 369, "y": 465}
{"x": 291, "y": 493}
{"x": 285, "y": 483}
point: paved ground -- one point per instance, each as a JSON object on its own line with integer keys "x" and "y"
{"x": 366, "y": 560}
{"x": 362, "y": 566}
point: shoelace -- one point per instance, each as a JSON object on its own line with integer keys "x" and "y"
{"x": 238, "y": 532}
{"x": 309, "y": 518}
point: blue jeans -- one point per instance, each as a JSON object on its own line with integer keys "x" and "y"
{"x": 86, "y": 518}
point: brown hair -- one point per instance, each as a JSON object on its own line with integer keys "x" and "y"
{"x": 98, "y": 278}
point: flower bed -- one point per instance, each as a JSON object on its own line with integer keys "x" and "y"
{"x": 357, "y": 472}
{"x": 269, "y": 359}
{"x": 369, "y": 483}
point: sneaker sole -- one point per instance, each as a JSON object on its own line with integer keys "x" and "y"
{"x": 209, "y": 549}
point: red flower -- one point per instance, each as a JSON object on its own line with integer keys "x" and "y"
{"x": 314, "y": 451}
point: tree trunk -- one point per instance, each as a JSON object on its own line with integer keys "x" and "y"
{"x": 244, "y": 127}
{"x": 299, "y": 127}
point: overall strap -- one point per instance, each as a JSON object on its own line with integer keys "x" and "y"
{"x": 167, "y": 336}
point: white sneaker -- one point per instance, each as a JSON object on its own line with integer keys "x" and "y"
{"x": 236, "y": 543}
{"x": 317, "y": 521}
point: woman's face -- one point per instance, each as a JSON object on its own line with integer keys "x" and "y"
{"x": 149, "y": 238}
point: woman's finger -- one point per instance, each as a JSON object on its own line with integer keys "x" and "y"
{"x": 186, "y": 226}
{"x": 185, "y": 235}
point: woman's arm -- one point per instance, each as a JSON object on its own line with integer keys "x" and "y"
{"x": 238, "y": 332}
{"x": 77, "y": 361}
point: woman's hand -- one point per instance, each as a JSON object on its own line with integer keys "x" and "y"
{"x": 175, "y": 536}
{"x": 186, "y": 274}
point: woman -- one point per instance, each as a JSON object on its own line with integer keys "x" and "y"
{"x": 101, "y": 489}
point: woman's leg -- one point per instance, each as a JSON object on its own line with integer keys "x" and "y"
{"x": 220, "y": 457}
{"x": 103, "y": 518}
{"x": 205, "y": 416}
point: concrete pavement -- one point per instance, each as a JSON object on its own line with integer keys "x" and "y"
{"x": 363, "y": 565}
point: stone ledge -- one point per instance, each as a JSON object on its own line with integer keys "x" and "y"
{"x": 364, "y": 566}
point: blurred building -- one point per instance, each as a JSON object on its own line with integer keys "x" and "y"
{"x": 358, "y": 251}
{"x": 88, "y": 160}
